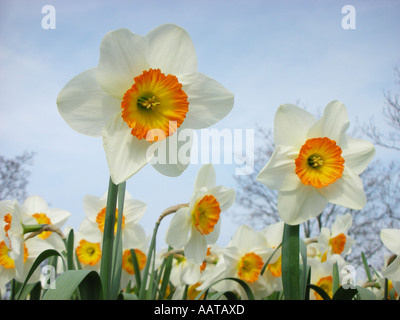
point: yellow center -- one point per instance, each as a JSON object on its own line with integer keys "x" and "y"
{"x": 205, "y": 214}
{"x": 319, "y": 162}
{"x": 101, "y": 216}
{"x": 41, "y": 218}
{"x": 88, "y": 253}
{"x": 324, "y": 283}
{"x": 249, "y": 267}
{"x": 337, "y": 243}
{"x": 127, "y": 262}
{"x": 276, "y": 267}
{"x": 154, "y": 102}
{"x": 5, "y": 259}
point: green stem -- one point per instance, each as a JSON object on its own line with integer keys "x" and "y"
{"x": 291, "y": 262}
{"x": 32, "y": 227}
{"x": 108, "y": 240}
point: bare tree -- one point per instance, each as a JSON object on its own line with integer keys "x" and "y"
{"x": 14, "y": 176}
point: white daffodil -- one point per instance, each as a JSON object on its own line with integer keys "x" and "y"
{"x": 243, "y": 258}
{"x": 315, "y": 162}
{"x": 391, "y": 240}
{"x": 88, "y": 253}
{"x": 336, "y": 240}
{"x": 273, "y": 273}
{"x": 143, "y": 91}
{"x": 16, "y": 254}
{"x": 196, "y": 226}
{"x": 321, "y": 276}
{"x": 92, "y": 226}
{"x": 37, "y": 208}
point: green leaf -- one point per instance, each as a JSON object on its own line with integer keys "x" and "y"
{"x": 320, "y": 291}
{"x": 244, "y": 285}
{"x": 269, "y": 259}
{"x": 344, "y": 294}
{"x": 228, "y": 294}
{"x": 290, "y": 262}
{"x": 127, "y": 296}
{"x": 305, "y": 268}
{"x": 41, "y": 257}
{"x": 108, "y": 240}
{"x": 136, "y": 268}
{"x": 70, "y": 250}
{"x": 87, "y": 281}
{"x": 365, "y": 294}
{"x": 366, "y": 266}
{"x": 335, "y": 277}
{"x": 117, "y": 250}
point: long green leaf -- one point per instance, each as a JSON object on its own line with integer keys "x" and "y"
{"x": 41, "y": 257}
{"x": 108, "y": 240}
{"x": 244, "y": 285}
{"x": 320, "y": 291}
{"x": 87, "y": 281}
{"x": 290, "y": 262}
{"x": 70, "y": 250}
{"x": 365, "y": 294}
{"x": 269, "y": 259}
{"x": 335, "y": 277}
{"x": 117, "y": 250}
{"x": 366, "y": 266}
{"x": 305, "y": 268}
{"x": 344, "y": 294}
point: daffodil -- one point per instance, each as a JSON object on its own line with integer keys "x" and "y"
{"x": 142, "y": 92}
{"x": 243, "y": 258}
{"x": 315, "y": 162}
{"x": 37, "y": 208}
{"x": 92, "y": 226}
{"x": 196, "y": 226}
{"x": 273, "y": 273}
{"x": 16, "y": 254}
{"x": 391, "y": 240}
{"x": 336, "y": 240}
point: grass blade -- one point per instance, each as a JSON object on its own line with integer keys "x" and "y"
{"x": 290, "y": 262}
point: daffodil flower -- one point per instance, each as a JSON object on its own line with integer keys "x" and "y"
{"x": 336, "y": 240}
{"x": 243, "y": 258}
{"x": 391, "y": 240}
{"x": 92, "y": 226}
{"x": 143, "y": 91}
{"x": 196, "y": 226}
{"x": 16, "y": 254}
{"x": 315, "y": 162}
{"x": 37, "y": 208}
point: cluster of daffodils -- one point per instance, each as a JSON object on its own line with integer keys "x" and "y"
{"x": 145, "y": 98}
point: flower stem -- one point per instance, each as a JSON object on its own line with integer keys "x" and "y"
{"x": 291, "y": 262}
{"x": 108, "y": 240}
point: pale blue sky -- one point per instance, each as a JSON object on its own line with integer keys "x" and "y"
{"x": 266, "y": 52}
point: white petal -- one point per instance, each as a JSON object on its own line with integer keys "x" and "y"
{"x": 92, "y": 205}
{"x": 58, "y": 217}
{"x": 300, "y": 205}
{"x": 209, "y": 101}
{"x": 190, "y": 274}
{"x": 173, "y": 153}
{"x": 225, "y": 196}
{"x": 274, "y": 233}
{"x": 391, "y": 239}
{"x": 246, "y": 239}
{"x": 171, "y": 50}
{"x": 348, "y": 191}
{"x": 333, "y": 123}
{"x": 205, "y": 177}
{"x": 126, "y": 154}
{"x": 357, "y": 153}
{"x": 392, "y": 271}
{"x": 279, "y": 172}
{"x": 85, "y": 106}
{"x": 134, "y": 236}
{"x": 291, "y": 124}
{"x": 122, "y": 57}
{"x": 178, "y": 231}
{"x": 35, "y": 204}
{"x": 133, "y": 210}
{"x": 213, "y": 236}
{"x": 342, "y": 224}
{"x": 196, "y": 248}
